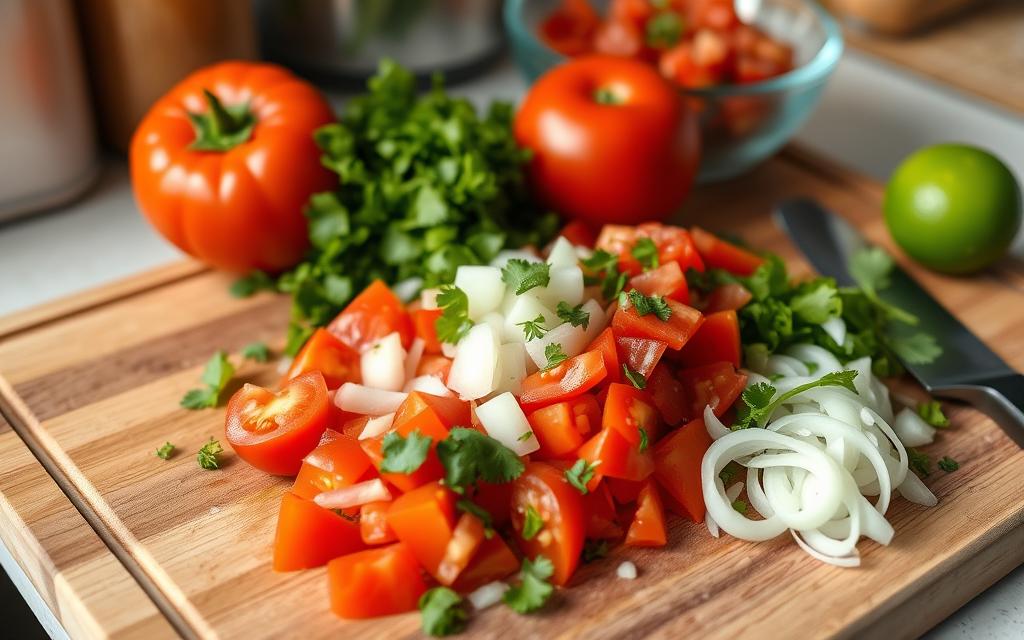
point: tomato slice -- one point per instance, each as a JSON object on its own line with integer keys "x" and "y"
{"x": 728, "y": 296}
{"x": 425, "y": 321}
{"x": 717, "y": 385}
{"x": 373, "y": 523}
{"x": 373, "y": 314}
{"x": 602, "y": 522}
{"x": 667, "y": 280}
{"x": 429, "y": 471}
{"x": 668, "y": 395}
{"x": 492, "y": 561}
{"x": 717, "y": 340}
{"x": 555, "y": 428}
{"x": 560, "y": 507}
{"x": 605, "y": 344}
{"x": 375, "y": 582}
{"x": 648, "y": 526}
{"x": 719, "y": 254}
{"x": 677, "y": 460}
{"x": 572, "y": 378}
{"x": 424, "y": 520}
{"x": 465, "y": 541}
{"x": 337, "y": 462}
{"x": 338, "y": 362}
{"x": 680, "y": 326}
{"x": 615, "y": 457}
{"x": 309, "y": 536}
{"x": 432, "y": 415}
{"x": 640, "y": 354}
{"x": 628, "y": 410}
{"x": 674, "y": 245}
{"x": 274, "y": 431}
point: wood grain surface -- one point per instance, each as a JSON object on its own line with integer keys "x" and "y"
{"x": 96, "y": 390}
{"x": 979, "y": 51}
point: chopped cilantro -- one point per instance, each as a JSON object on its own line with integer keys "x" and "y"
{"x": 645, "y": 305}
{"x": 634, "y": 377}
{"x": 165, "y": 451}
{"x": 207, "y": 456}
{"x": 533, "y": 590}
{"x": 256, "y": 351}
{"x": 453, "y": 323}
{"x": 663, "y": 30}
{"x": 729, "y": 472}
{"x": 931, "y": 412}
{"x": 468, "y": 506}
{"x": 646, "y": 253}
{"x": 604, "y": 272}
{"x": 555, "y": 356}
{"x": 404, "y": 455}
{"x": 468, "y": 455}
{"x": 522, "y": 275}
{"x": 580, "y": 473}
{"x": 740, "y": 506}
{"x": 252, "y": 283}
{"x": 575, "y": 316}
{"x": 216, "y": 375}
{"x": 442, "y": 612}
{"x": 920, "y": 463}
{"x": 644, "y": 440}
{"x": 760, "y": 401}
{"x": 947, "y": 464}
{"x": 532, "y": 523}
{"x": 533, "y": 329}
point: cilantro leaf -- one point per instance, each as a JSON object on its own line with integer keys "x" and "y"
{"x": 442, "y": 612}
{"x": 522, "y": 275}
{"x": 739, "y": 506}
{"x": 818, "y": 303}
{"x": 215, "y": 376}
{"x": 254, "y": 282}
{"x": 646, "y": 253}
{"x": 404, "y": 455}
{"x": 555, "y": 356}
{"x": 207, "y": 456}
{"x": 580, "y": 473}
{"x": 634, "y": 377}
{"x": 760, "y": 400}
{"x": 871, "y": 267}
{"x": 729, "y": 472}
{"x": 931, "y": 412}
{"x": 534, "y": 589}
{"x": 919, "y": 462}
{"x": 453, "y": 323}
{"x": 603, "y": 268}
{"x": 256, "y": 351}
{"x": 199, "y": 399}
{"x": 593, "y": 550}
{"x": 533, "y": 329}
{"x": 916, "y": 348}
{"x": 644, "y": 440}
{"x": 468, "y": 455}
{"x": 532, "y": 523}
{"x": 663, "y": 30}
{"x": 165, "y": 451}
{"x": 575, "y": 316}
{"x": 645, "y": 305}
{"x": 949, "y": 465}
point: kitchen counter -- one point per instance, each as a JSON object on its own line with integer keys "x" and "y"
{"x": 871, "y": 116}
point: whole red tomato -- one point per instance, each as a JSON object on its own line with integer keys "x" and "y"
{"x": 613, "y": 141}
{"x": 224, "y": 163}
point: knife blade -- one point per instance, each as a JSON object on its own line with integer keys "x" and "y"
{"x": 966, "y": 370}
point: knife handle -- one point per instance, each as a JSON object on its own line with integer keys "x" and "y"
{"x": 1001, "y": 398}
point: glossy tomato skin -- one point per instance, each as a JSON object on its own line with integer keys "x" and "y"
{"x": 338, "y": 461}
{"x": 609, "y": 163}
{"x": 239, "y": 209}
{"x": 375, "y": 313}
{"x": 338, "y": 362}
{"x": 310, "y": 536}
{"x": 560, "y": 506}
{"x": 677, "y": 461}
{"x": 274, "y": 431}
{"x": 375, "y": 582}
{"x": 717, "y": 340}
{"x": 572, "y": 378}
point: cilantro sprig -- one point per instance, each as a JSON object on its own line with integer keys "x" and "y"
{"x": 554, "y": 355}
{"x": 404, "y": 455}
{"x": 533, "y": 589}
{"x": 635, "y": 377}
{"x": 522, "y": 275}
{"x": 442, "y": 612}
{"x": 947, "y": 464}
{"x": 575, "y": 316}
{"x": 207, "y": 456}
{"x": 645, "y": 305}
{"x": 256, "y": 351}
{"x": 603, "y": 271}
{"x": 468, "y": 455}
{"x": 533, "y": 329}
{"x": 762, "y": 399}
{"x": 165, "y": 451}
{"x": 532, "y": 523}
{"x": 453, "y": 323}
{"x": 580, "y": 473}
{"x": 216, "y": 375}
{"x": 646, "y": 253}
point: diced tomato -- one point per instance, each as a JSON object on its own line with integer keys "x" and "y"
{"x": 679, "y": 65}
{"x": 579, "y": 233}
{"x": 556, "y": 431}
{"x": 465, "y": 540}
{"x": 573, "y": 377}
{"x": 373, "y": 523}
{"x": 354, "y": 427}
{"x": 674, "y": 245}
{"x": 338, "y": 362}
{"x": 376, "y": 582}
{"x": 602, "y": 521}
{"x": 717, "y": 385}
{"x": 569, "y": 28}
{"x": 640, "y": 354}
{"x": 714, "y": 14}
{"x": 732, "y": 296}
{"x": 719, "y": 254}
{"x": 274, "y": 431}
{"x": 615, "y": 457}
{"x": 587, "y": 414}
{"x": 338, "y": 461}
{"x": 492, "y": 561}
{"x": 429, "y": 471}
{"x": 605, "y": 344}
{"x": 424, "y": 520}
{"x": 618, "y": 38}
{"x": 560, "y": 507}
{"x": 668, "y": 395}
{"x": 717, "y": 340}
{"x": 648, "y": 526}
{"x": 495, "y": 499}
{"x": 680, "y": 326}
{"x": 431, "y": 415}
{"x": 309, "y": 536}
{"x": 623, "y": 491}
{"x": 667, "y": 280}
{"x": 373, "y": 314}
{"x": 636, "y": 12}
{"x": 425, "y": 321}
{"x": 434, "y": 365}
{"x": 628, "y": 410}
{"x": 677, "y": 460}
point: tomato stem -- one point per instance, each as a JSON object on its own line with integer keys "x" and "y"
{"x": 221, "y": 128}
{"x": 607, "y": 95}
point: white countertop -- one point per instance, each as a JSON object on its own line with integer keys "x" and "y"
{"x": 871, "y": 116}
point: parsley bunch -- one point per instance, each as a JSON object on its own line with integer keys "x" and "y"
{"x": 425, "y": 184}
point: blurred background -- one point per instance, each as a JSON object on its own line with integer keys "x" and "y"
{"x": 864, "y": 87}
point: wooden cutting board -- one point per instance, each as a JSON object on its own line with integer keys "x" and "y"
{"x": 92, "y": 386}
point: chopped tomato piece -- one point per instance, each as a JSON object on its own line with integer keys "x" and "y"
{"x": 425, "y": 321}
{"x": 624, "y": 491}
{"x": 556, "y": 431}
{"x": 717, "y": 340}
{"x": 573, "y": 377}
{"x": 424, "y": 520}
{"x": 569, "y": 28}
{"x": 337, "y": 462}
{"x": 604, "y": 343}
{"x": 495, "y": 499}
{"x": 274, "y": 431}
{"x": 668, "y": 395}
{"x": 375, "y": 582}
{"x": 338, "y": 362}
{"x": 719, "y": 254}
{"x": 717, "y": 385}
{"x": 674, "y": 245}
{"x": 429, "y": 471}
{"x": 465, "y": 540}
{"x": 677, "y": 460}
{"x": 602, "y": 521}
{"x": 618, "y": 38}
{"x": 579, "y": 233}
{"x": 373, "y": 523}
{"x": 615, "y": 457}
{"x": 560, "y": 507}
{"x": 354, "y": 427}
{"x": 587, "y": 414}
{"x": 680, "y": 326}
{"x": 667, "y": 280}
{"x": 648, "y": 526}
{"x": 309, "y": 536}
{"x": 728, "y": 296}
{"x": 492, "y": 561}
{"x": 434, "y": 365}
{"x": 640, "y": 354}
{"x": 628, "y": 410}
{"x": 431, "y": 415}
{"x": 373, "y": 314}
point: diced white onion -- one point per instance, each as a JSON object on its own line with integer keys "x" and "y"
{"x": 475, "y": 366}
{"x": 383, "y": 364}
{"x": 488, "y": 595}
{"x": 377, "y": 426}
{"x": 483, "y": 288}
{"x": 626, "y": 571}
{"x": 573, "y": 339}
{"x": 503, "y": 257}
{"x": 428, "y": 384}
{"x": 407, "y": 289}
{"x": 525, "y": 308}
{"x": 562, "y": 254}
{"x": 503, "y": 419}
{"x": 354, "y": 496}
{"x": 412, "y": 360}
{"x": 912, "y": 430}
{"x": 565, "y": 285}
{"x": 367, "y": 401}
{"x": 513, "y": 369}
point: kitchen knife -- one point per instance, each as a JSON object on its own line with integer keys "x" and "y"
{"x": 967, "y": 369}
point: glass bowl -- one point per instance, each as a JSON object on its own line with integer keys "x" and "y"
{"x": 741, "y": 124}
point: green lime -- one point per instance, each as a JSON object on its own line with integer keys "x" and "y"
{"x": 953, "y": 208}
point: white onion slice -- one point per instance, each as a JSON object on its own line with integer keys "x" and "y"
{"x": 428, "y": 384}
{"x": 377, "y": 426}
{"x": 367, "y": 401}
{"x": 412, "y": 359}
{"x": 912, "y": 430}
{"x": 488, "y": 595}
{"x": 354, "y": 496}
{"x": 714, "y": 426}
